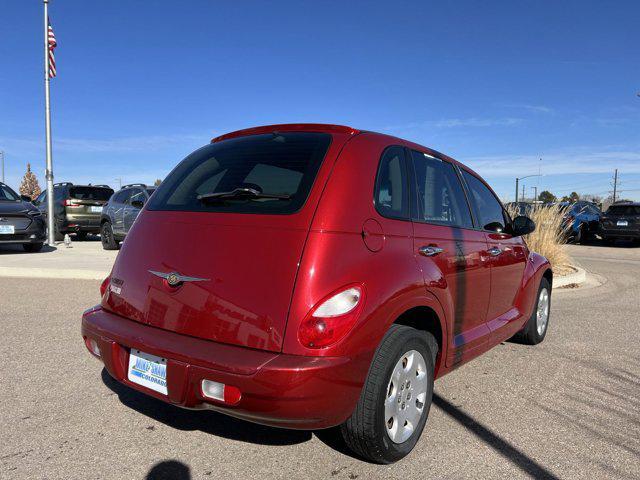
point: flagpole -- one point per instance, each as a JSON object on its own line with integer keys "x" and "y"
{"x": 47, "y": 123}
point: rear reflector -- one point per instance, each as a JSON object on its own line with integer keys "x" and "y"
{"x": 221, "y": 392}
{"x": 92, "y": 346}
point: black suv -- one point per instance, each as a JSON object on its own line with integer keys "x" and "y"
{"x": 77, "y": 208}
{"x": 621, "y": 220}
{"x": 20, "y": 221}
{"x": 120, "y": 212}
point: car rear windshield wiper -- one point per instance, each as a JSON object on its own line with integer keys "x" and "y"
{"x": 250, "y": 193}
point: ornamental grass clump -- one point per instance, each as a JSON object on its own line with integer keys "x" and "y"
{"x": 550, "y": 236}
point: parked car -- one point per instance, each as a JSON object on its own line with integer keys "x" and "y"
{"x": 20, "y": 221}
{"x": 119, "y": 213}
{"x": 307, "y": 276}
{"x": 581, "y": 220}
{"x": 77, "y": 208}
{"x": 621, "y": 221}
{"x": 523, "y": 208}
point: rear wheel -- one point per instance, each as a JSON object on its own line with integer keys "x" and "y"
{"x": 106, "y": 236}
{"x": 32, "y": 247}
{"x": 536, "y": 327}
{"x": 585, "y": 235}
{"x": 395, "y": 400}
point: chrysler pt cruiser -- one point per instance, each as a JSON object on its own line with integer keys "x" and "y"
{"x": 308, "y": 276}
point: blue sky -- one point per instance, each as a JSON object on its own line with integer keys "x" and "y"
{"x": 497, "y": 85}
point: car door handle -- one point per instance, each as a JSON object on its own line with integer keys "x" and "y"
{"x": 430, "y": 251}
{"x": 494, "y": 252}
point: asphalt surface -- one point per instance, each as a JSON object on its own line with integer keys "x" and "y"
{"x": 568, "y": 408}
{"x": 85, "y": 260}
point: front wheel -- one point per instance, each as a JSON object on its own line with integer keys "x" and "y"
{"x": 536, "y": 327}
{"x": 395, "y": 400}
{"x": 106, "y": 237}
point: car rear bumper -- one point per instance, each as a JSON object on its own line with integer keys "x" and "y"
{"x": 619, "y": 233}
{"x": 277, "y": 389}
{"x": 84, "y": 223}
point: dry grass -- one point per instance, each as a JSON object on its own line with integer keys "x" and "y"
{"x": 549, "y": 237}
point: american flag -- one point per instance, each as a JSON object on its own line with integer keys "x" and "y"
{"x": 52, "y": 45}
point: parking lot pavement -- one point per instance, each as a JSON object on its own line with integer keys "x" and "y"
{"x": 568, "y": 408}
{"x": 84, "y": 260}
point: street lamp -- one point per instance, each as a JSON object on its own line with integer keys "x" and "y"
{"x": 522, "y": 178}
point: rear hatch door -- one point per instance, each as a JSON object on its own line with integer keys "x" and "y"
{"x": 87, "y": 201}
{"x": 242, "y": 252}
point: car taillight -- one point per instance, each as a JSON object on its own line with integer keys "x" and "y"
{"x": 67, "y": 203}
{"x": 104, "y": 285}
{"x": 332, "y": 318}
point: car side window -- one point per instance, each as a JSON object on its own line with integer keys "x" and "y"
{"x": 441, "y": 198}
{"x": 391, "y": 193}
{"x": 123, "y": 196}
{"x": 137, "y": 195}
{"x": 489, "y": 211}
{"x": 41, "y": 198}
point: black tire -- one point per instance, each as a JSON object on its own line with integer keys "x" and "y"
{"x": 58, "y": 236}
{"x": 529, "y": 335}
{"x": 106, "y": 237}
{"x": 81, "y": 236}
{"x": 365, "y": 432}
{"x": 585, "y": 235}
{"x": 32, "y": 247}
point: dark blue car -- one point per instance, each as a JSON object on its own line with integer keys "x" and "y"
{"x": 582, "y": 220}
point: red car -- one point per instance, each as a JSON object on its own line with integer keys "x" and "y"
{"x": 308, "y": 276}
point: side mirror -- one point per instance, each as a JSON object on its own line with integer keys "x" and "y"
{"x": 522, "y": 225}
{"x": 26, "y": 198}
{"x": 137, "y": 204}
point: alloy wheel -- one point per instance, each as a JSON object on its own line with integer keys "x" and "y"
{"x": 406, "y": 395}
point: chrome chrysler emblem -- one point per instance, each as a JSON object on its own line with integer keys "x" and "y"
{"x": 174, "y": 279}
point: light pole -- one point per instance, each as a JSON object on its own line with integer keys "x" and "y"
{"x": 2, "y": 158}
{"x": 522, "y": 178}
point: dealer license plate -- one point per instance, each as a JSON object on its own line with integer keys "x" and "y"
{"x": 96, "y": 209}
{"x": 148, "y": 370}
{"x": 622, "y": 223}
{"x": 7, "y": 229}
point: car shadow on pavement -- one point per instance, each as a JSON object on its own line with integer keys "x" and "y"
{"x": 11, "y": 249}
{"x": 169, "y": 470}
{"x": 501, "y": 446}
{"x": 617, "y": 244}
{"x": 206, "y": 421}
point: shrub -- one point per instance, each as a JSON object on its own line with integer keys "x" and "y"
{"x": 549, "y": 237}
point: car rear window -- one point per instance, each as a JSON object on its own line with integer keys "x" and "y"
{"x": 90, "y": 193}
{"x": 624, "y": 210}
{"x": 276, "y": 164}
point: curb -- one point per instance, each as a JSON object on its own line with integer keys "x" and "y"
{"x": 52, "y": 273}
{"x": 576, "y": 278}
